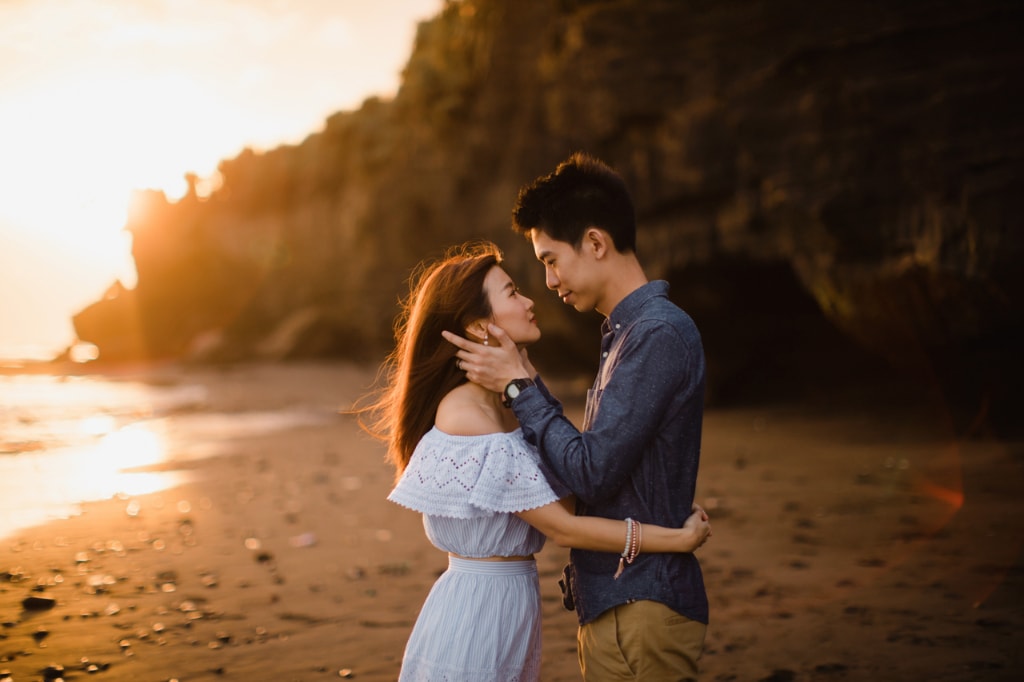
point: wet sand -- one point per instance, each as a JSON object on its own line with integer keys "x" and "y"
{"x": 861, "y": 543}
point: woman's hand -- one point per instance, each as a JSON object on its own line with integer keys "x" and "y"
{"x": 696, "y": 529}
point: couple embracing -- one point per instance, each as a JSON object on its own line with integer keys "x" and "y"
{"x": 484, "y": 452}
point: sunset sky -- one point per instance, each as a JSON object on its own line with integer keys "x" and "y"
{"x": 103, "y": 96}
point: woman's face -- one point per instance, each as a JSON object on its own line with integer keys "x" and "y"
{"x": 510, "y": 310}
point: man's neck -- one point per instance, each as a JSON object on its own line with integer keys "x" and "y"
{"x": 624, "y": 277}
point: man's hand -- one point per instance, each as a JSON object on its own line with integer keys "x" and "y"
{"x": 531, "y": 371}
{"x": 489, "y": 366}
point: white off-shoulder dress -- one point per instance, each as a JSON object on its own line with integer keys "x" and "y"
{"x": 481, "y": 620}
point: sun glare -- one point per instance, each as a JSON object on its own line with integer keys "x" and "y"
{"x": 73, "y": 152}
{"x": 85, "y": 145}
{"x": 104, "y": 97}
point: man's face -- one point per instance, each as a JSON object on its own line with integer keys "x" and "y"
{"x": 567, "y": 272}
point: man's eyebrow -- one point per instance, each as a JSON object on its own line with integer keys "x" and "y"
{"x": 543, "y": 255}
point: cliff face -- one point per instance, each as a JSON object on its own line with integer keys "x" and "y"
{"x": 815, "y": 181}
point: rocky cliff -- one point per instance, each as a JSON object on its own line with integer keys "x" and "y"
{"x": 830, "y": 188}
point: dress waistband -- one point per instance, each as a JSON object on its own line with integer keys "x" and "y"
{"x": 492, "y": 567}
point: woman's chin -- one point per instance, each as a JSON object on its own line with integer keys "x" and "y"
{"x": 528, "y": 342}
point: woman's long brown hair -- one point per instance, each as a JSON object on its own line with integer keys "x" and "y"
{"x": 444, "y": 295}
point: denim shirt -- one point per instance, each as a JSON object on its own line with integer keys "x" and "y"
{"x": 638, "y": 453}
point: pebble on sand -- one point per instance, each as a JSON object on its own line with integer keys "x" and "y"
{"x": 36, "y": 603}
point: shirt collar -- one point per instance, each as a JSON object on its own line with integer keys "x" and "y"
{"x": 629, "y": 308}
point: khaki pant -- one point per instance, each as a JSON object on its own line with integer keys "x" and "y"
{"x": 644, "y": 640}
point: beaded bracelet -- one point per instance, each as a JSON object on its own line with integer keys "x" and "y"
{"x": 632, "y": 548}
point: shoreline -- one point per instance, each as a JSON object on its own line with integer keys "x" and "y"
{"x": 850, "y": 544}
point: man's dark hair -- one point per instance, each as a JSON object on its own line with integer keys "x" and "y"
{"x": 581, "y": 192}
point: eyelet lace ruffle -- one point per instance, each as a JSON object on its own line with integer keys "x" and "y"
{"x": 466, "y": 477}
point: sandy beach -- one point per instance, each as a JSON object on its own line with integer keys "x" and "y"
{"x": 852, "y": 541}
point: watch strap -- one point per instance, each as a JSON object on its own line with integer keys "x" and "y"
{"x": 517, "y": 386}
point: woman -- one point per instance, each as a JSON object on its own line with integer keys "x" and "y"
{"x": 463, "y": 463}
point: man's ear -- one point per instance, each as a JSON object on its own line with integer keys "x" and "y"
{"x": 596, "y": 241}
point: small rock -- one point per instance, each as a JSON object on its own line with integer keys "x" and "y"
{"x": 35, "y": 603}
{"x": 54, "y": 671}
{"x": 12, "y": 575}
{"x": 830, "y": 668}
{"x": 303, "y": 540}
{"x": 781, "y": 675}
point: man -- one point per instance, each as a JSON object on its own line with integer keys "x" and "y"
{"x": 639, "y": 449}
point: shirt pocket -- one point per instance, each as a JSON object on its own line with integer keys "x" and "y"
{"x": 593, "y": 405}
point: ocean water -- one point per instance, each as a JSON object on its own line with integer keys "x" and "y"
{"x": 66, "y": 440}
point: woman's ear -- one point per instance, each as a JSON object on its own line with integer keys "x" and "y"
{"x": 477, "y": 331}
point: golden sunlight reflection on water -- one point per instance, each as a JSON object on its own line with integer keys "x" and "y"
{"x": 131, "y": 447}
{"x": 115, "y": 465}
{"x": 53, "y": 484}
{"x": 66, "y": 441}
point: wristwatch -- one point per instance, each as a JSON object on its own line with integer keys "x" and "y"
{"x": 513, "y": 389}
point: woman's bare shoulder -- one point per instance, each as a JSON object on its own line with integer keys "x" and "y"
{"x": 461, "y": 414}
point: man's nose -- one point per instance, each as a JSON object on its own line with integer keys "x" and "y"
{"x": 551, "y": 280}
